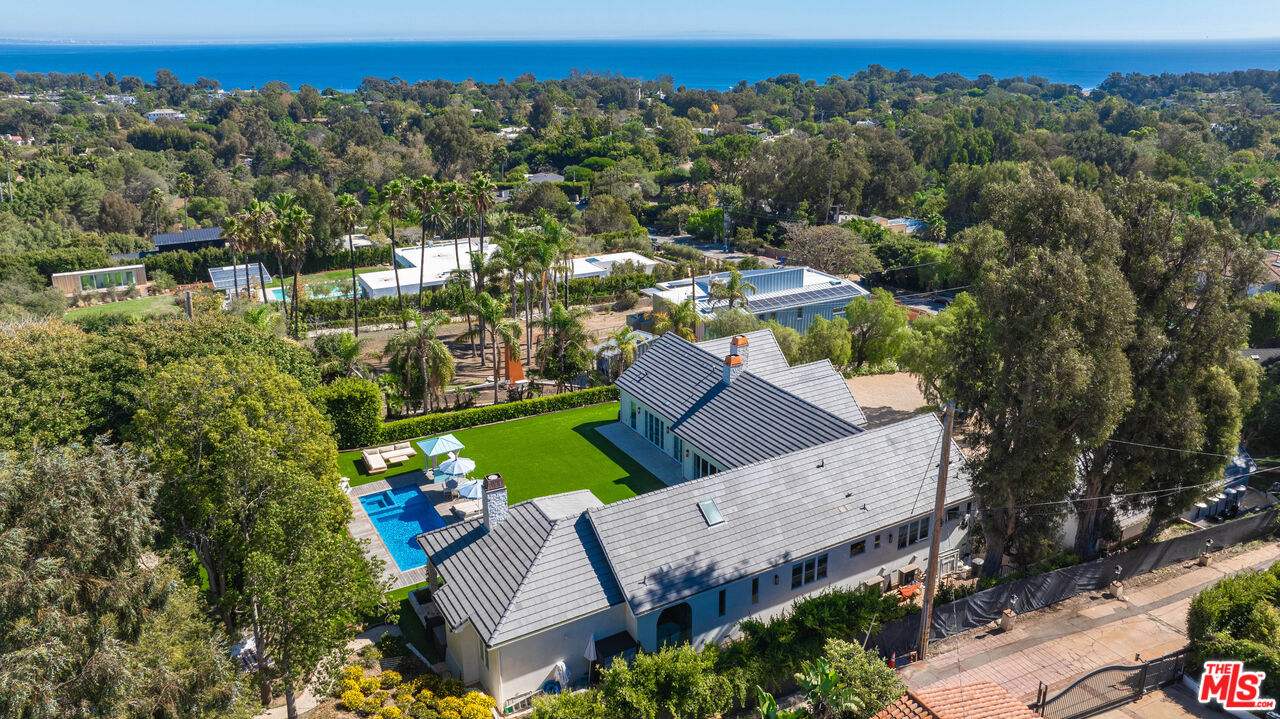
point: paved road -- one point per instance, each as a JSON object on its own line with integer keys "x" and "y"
{"x": 1059, "y": 644}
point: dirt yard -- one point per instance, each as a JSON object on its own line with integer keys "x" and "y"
{"x": 887, "y": 398}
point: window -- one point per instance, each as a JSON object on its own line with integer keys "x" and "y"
{"x": 799, "y": 313}
{"x": 702, "y": 467}
{"x": 721, "y": 607}
{"x": 755, "y": 590}
{"x": 773, "y": 316}
{"x": 858, "y": 547}
{"x": 953, "y": 513}
{"x": 655, "y": 429}
{"x": 877, "y": 541}
{"x": 808, "y": 571}
{"x": 710, "y": 512}
{"x": 633, "y": 415}
{"x": 677, "y": 446}
{"x": 913, "y": 532}
{"x": 484, "y": 654}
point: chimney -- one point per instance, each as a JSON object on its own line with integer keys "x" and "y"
{"x": 738, "y": 348}
{"x": 495, "y": 501}
{"x": 732, "y": 368}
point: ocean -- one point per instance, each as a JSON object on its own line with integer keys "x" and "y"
{"x": 707, "y": 64}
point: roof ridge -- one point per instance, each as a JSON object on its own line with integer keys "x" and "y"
{"x": 524, "y": 577}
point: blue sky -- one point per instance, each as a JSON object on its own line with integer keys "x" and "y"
{"x": 188, "y": 21}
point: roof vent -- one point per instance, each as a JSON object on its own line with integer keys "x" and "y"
{"x": 710, "y": 512}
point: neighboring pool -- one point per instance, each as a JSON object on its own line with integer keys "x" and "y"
{"x": 399, "y": 515}
{"x": 277, "y": 294}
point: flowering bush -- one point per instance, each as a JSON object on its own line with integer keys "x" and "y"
{"x": 484, "y": 701}
{"x": 370, "y": 706}
{"x": 389, "y": 679}
{"x": 450, "y": 704}
{"x": 472, "y": 711}
{"x": 369, "y": 685}
{"x": 389, "y": 713}
{"x": 352, "y": 672}
{"x": 352, "y": 699}
{"x": 348, "y": 685}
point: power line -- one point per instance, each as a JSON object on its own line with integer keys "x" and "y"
{"x": 1171, "y": 449}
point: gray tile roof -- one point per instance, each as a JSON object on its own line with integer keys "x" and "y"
{"x": 541, "y": 566}
{"x": 753, "y": 418}
{"x": 207, "y": 234}
{"x": 661, "y": 549}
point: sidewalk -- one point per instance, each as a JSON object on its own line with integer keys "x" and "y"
{"x": 1058, "y": 644}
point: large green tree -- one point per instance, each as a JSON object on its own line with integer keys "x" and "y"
{"x": 877, "y": 327}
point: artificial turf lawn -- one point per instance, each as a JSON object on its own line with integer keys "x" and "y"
{"x": 142, "y": 307}
{"x": 538, "y": 456}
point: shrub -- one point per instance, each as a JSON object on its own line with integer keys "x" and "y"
{"x": 389, "y": 713}
{"x": 677, "y": 681}
{"x": 471, "y": 711}
{"x": 162, "y": 281}
{"x": 352, "y": 699}
{"x": 370, "y": 706}
{"x": 389, "y": 679}
{"x": 450, "y": 704}
{"x": 355, "y": 406}
{"x": 369, "y": 685}
{"x": 404, "y": 429}
{"x": 347, "y": 685}
{"x": 866, "y": 674}
{"x": 353, "y": 672}
{"x": 1239, "y": 618}
{"x": 580, "y": 705}
{"x": 479, "y": 699}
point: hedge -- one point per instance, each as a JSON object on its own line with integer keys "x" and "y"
{"x": 404, "y": 429}
{"x": 188, "y": 266}
{"x": 355, "y": 406}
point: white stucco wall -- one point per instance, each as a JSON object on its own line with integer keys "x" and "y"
{"x": 842, "y": 571}
{"x": 688, "y": 448}
{"x": 529, "y": 661}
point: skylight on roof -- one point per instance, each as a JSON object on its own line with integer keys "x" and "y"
{"x": 710, "y": 512}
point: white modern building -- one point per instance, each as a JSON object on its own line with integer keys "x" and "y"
{"x": 567, "y": 580}
{"x": 167, "y": 113}
{"x": 427, "y": 266}
{"x": 790, "y": 296}
{"x": 603, "y": 265}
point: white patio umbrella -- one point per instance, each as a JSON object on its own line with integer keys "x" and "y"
{"x": 471, "y": 490}
{"x": 458, "y": 466}
{"x": 590, "y": 653}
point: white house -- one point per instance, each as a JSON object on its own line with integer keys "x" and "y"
{"x": 167, "y": 113}
{"x": 1270, "y": 274}
{"x": 790, "y": 296}
{"x": 724, "y": 403}
{"x": 564, "y": 578}
{"x": 603, "y": 265}
{"x": 429, "y": 266}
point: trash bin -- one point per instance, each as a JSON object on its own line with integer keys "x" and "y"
{"x": 977, "y": 566}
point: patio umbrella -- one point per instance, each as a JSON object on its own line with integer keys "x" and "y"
{"x": 562, "y": 674}
{"x": 471, "y": 490}
{"x": 590, "y": 654}
{"x": 459, "y": 466}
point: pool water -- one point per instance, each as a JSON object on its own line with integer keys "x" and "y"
{"x": 399, "y": 515}
{"x": 277, "y": 294}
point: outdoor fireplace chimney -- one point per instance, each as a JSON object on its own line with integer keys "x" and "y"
{"x": 732, "y": 368}
{"x": 738, "y": 348}
{"x": 495, "y": 501}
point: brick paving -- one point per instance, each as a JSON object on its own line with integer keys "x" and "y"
{"x": 1058, "y": 644}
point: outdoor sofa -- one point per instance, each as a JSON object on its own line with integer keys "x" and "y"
{"x": 377, "y": 459}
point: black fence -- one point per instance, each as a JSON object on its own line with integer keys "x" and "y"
{"x": 1025, "y": 595}
{"x": 1109, "y": 687}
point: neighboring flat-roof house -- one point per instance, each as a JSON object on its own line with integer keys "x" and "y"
{"x": 167, "y": 113}
{"x": 603, "y": 265}
{"x": 428, "y": 266}
{"x": 101, "y": 279}
{"x": 1270, "y": 274}
{"x": 539, "y": 177}
{"x": 560, "y": 578}
{"x": 791, "y": 296}
{"x": 724, "y": 403}
{"x": 189, "y": 239}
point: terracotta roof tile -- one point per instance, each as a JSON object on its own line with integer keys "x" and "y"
{"x": 976, "y": 700}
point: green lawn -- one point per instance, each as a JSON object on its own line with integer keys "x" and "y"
{"x": 330, "y": 276}
{"x": 142, "y": 307}
{"x": 537, "y": 456}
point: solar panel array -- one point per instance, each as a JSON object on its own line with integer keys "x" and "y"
{"x": 207, "y": 234}
{"x": 227, "y": 278}
{"x": 807, "y": 297}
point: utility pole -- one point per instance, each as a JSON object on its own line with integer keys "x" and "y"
{"x": 188, "y": 304}
{"x": 935, "y": 535}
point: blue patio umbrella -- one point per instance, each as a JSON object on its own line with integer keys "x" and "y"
{"x": 471, "y": 490}
{"x": 458, "y": 466}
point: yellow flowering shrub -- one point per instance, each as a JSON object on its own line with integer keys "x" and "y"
{"x": 449, "y": 714}
{"x": 450, "y": 704}
{"x": 352, "y": 699}
{"x": 479, "y": 699}
{"x": 389, "y": 679}
{"x": 347, "y": 685}
{"x": 353, "y": 673}
{"x": 369, "y": 685}
{"x": 426, "y": 697}
{"x": 474, "y": 711}
{"x": 389, "y": 713}
{"x": 371, "y": 706}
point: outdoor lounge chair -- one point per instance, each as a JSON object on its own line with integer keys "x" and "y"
{"x": 466, "y": 509}
{"x": 373, "y": 462}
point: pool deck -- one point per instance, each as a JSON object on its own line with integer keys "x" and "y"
{"x": 361, "y": 527}
{"x": 666, "y": 469}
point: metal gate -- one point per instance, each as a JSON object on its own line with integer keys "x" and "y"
{"x": 1109, "y": 687}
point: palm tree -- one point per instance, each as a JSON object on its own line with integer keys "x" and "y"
{"x": 453, "y": 196}
{"x": 185, "y": 187}
{"x": 482, "y": 271}
{"x": 376, "y": 213}
{"x": 422, "y": 194}
{"x": 682, "y": 319}
{"x": 732, "y": 290}
{"x": 562, "y": 352}
{"x": 266, "y": 318}
{"x": 627, "y": 342}
{"x": 493, "y": 321}
{"x": 258, "y": 218}
{"x": 347, "y": 209}
{"x": 397, "y": 204}
{"x": 342, "y": 355}
{"x": 155, "y": 200}
{"x": 420, "y": 348}
{"x": 236, "y": 236}
{"x": 481, "y": 192}
{"x": 296, "y": 237}
{"x": 281, "y": 205}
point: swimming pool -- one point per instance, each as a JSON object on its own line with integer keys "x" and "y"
{"x": 277, "y": 294}
{"x": 399, "y": 515}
